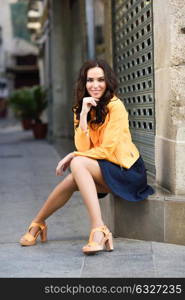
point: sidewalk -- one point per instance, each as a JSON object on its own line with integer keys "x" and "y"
{"x": 27, "y": 176}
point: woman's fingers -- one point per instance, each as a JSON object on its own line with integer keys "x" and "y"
{"x": 90, "y": 100}
{"x": 59, "y": 169}
{"x": 63, "y": 165}
{"x": 93, "y": 102}
{"x": 59, "y": 172}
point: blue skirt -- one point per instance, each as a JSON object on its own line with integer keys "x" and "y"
{"x": 129, "y": 184}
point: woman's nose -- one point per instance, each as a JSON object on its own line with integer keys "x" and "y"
{"x": 95, "y": 83}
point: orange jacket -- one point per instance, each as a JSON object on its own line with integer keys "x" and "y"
{"x": 111, "y": 140}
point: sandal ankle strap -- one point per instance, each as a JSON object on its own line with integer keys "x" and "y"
{"x": 41, "y": 226}
{"x": 102, "y": 228}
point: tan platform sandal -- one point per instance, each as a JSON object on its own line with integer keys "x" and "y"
{"x": 105, "y": 244}
{"x": 29, "y": 240}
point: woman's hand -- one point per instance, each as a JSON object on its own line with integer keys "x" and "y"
{"x": 88, "y": 102}
{"x": 64, "y": 164}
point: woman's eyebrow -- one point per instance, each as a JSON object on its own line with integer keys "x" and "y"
{"x": 97, "y": 77}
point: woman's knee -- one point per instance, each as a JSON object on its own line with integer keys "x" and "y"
{"x": 76, "y": 162}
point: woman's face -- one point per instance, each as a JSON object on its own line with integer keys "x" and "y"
{"x": 95, "y": 84}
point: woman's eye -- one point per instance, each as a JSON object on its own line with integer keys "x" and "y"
{"x": 91, "y": 80}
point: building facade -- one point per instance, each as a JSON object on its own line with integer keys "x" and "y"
{"x": 143, "y": 40}
{"x": 18, "y": 56}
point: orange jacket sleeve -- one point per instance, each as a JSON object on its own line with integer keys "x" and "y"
{"x": 81, "y": 139}
{"x": 114, "y": 129}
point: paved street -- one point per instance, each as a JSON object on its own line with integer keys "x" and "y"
{"x": 27, "y": 176}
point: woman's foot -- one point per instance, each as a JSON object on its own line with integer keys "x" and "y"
{"x": 34, "y": 230}
{"x": 100, "y": 239}
{"x": 98, "y": 236}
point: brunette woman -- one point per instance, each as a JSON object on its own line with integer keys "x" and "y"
{"x": 106, "y": 160}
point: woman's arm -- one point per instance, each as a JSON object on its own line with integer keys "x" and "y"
{"x": 81, "y": 138}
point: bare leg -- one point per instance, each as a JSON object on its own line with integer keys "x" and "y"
{"x": 87, "y": 173}
{"x": 58, "y": 197}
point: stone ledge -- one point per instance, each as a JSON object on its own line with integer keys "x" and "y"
{"x": 159, "y": 218}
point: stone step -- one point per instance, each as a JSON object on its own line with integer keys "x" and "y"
{"x": 159, "y": 218}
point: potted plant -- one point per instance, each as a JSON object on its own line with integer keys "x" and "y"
{"x": 3, "y": 97}
{"x": 39, "y": 95}
{"x": 22, "y": 103}
{"x": 28, "y": 104}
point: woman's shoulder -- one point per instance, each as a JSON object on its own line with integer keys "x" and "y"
{"x": 116, "y": 103}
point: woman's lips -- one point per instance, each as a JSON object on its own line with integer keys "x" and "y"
{"x": 95, "y": 92}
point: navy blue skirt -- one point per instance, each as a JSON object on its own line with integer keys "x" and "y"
{"x": 129, "y": 184}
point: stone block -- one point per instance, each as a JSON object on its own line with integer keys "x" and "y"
{"x": 176, "y": 20}
{"x": 162, "y": 109}
{"x": 175, "y": 221}
{"x": 108, "y": 211}
{"x": 161, "y": 33}
{"x": 180, "y": 170}
{"x": 169, "y": 43}
{"x": 165, "y": 162}
{"x": 160, "y": 218}
{"x": 140, "y": 220}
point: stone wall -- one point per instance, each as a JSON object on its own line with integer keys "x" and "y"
{"x": 169, "y": 58}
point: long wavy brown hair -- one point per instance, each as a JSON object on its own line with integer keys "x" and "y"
{"x": 101, "y": 109}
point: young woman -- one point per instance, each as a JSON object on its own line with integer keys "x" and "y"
{"x": 106, "y": 160}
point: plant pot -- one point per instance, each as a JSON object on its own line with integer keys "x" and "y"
{"x": 40, "y": 130}
{"x": 26, "y": 124}
{"x": 3, "y": 108}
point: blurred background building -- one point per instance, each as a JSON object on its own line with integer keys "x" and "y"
{"x": 18, "y": 55}
{"x": 143, "y": 40}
